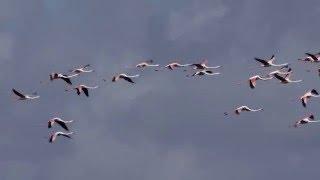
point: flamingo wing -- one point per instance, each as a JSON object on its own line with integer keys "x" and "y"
{"x": 52, "y": 138}
{"x": 86, "y": 92}
{"x": 198, "y": 66}
{"x": 18, "y": 93}
{"x": 67, "y": 80}
{"x": 264, "y": 62}
{"x": 87, "y": 65}
{"x": 304, "y": 102}
{"x": 49, "y": 124}
{"x": 314, "y": 57}
{"x": 279, "y": 77}
{"x": 63, "y": 125}
{"x": 66, "y": 135}
{"x": 128, "y": 79}
{"x": 252, "y": 84}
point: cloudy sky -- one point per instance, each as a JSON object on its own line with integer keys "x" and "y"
{"x": 166, "y": 126}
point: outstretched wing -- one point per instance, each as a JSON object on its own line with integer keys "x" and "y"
{"x": 86, "y": 92}
{"x": 198, "y": 66}
{"x": 87, "y": 65}
{"x": 67, "y": 80}
{"x": 312, "y": 56}
{"x": 18, "y": 93}
{"x": 304, "y": 102}
{"x": 65, "y": 135}
{"x": 264, "y": 62}
{"x": 63, "y": 125}
{"x": 128, "y": 79}
{"x": 279, "y": 77}
{"x": 78, "y": 91}
{"x": 252, "y": 84}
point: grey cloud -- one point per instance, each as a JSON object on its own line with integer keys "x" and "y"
{"x": 166, "y": 126}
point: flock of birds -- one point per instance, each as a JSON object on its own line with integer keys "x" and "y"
{"x": 283, "y": 75}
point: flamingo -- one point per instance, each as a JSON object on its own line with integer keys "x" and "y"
{"x": 286, "y": 79}
{"x": 246, "y": 108}
{"x": 306, "y": 120}
{"x": 66, "y": 78}
{"x": 311, "y": 57}
{"x": 59, "y": 121}
{"x": 307, "y": 96}
{"x": 53, "y": 136}
{"x": 125, "y": 77}
{"x": 84, "y": 89}
{"x": 81, "y": 69}
{"x": 279, "y": 71}
{"x": 203, "y": 65}
{"x": 147, "y": 63}
{"x": 174, "y": 65}
{"x": 204, "y": 72}
{"x": 269, "y": 62}
{"x": 253, "y": 80}
{"x": 24, "y": 96}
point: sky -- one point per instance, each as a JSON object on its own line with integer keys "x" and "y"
{"x": 166, "y": 125}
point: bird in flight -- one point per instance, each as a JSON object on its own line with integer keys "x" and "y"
{"x": 311, "y": 57}
{"x": 204, "y": 72}
{"x": 203, "y": 65}
{"x": 269, "y": 62}
{"x": 125, "y": 77}
{"x": 306, "y": 120}
{"x": 59, "y": 121}
{"x": 66, "y": 78}
{"x": 175, "y": 65}
{"x": 82, "y": 69}
{"x": 84, "y": 89}
{"x": 147, "y": 63}
{"x": 281, "y": 71}
{"x": 304, "y": 99}
{"x": 286, "y": 79}
{"x": 253, "y": 80}
{"x": 246, "y": 108}
{"x": 54, "y": 136}
{"x": 24, "y": 96}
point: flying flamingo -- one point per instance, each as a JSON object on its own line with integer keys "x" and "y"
{"x": 147, "y": 63}
{"x": 24, "y": 96}
{"x": 307, "y": 96}
{"x": 286, "y": 79}
{"x": 203, "y": 65}
{"x": 82, "y": 69}
{"x": 269, "y": 62}
{"x": 53, "y": 136}
{"x": 84, "y": 89}
{"x": 204, "y": 72}
{"x": 59, "y": 121}
{"x": 253, "y": 80}
{"x": 306, "y": 120}
{"x": 125, "y": 77}
{"x": 246, "y": 108}
{"x": 279, "y": 71}
{"x": 175, "y": 65}
{"x": 311, "y": 57}
{"x": 66, "y": 78}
